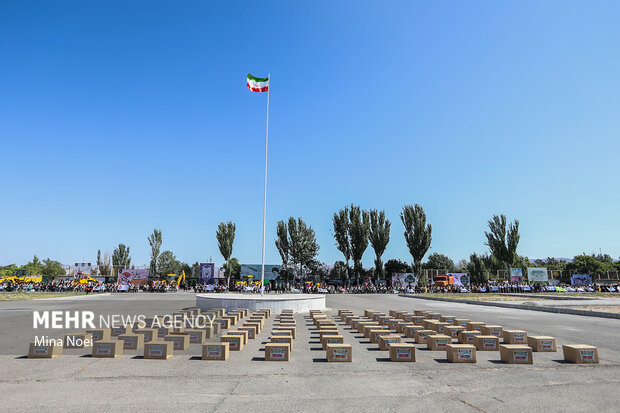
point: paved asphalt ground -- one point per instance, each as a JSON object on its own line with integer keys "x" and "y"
{"x": 76, "y": 382}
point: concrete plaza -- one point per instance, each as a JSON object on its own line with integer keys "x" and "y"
{"x": 76, "y": 382}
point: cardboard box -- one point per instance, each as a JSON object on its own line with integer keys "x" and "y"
{"x": 224, "y": 322}
{"x": 99, "y": 333}
{"x": 467, "y": 336}
{"x": 209, "y": 331}
{"x": 277, "y": 352}
{"x": 385, "y": 320}
{"x": 428, "y": 323}
{"x": 257, "y": 326}
{"x": 486, "y": 343}
{"x": 580, "y": 353}
{"x": 453, "y": 331}
{"x": 515, "y": 337}
{"x": 411, "y": 329}
{"x": 249, "y": 329}
{"x": 461, "y": 353}
{"x": 440, "y": 327}
{"x": 235, "y": 342}
{"x": 367, "y": 313}
{"x": 461, "y": 322}
{"x": 107, "y": 348}
{"x": 343, "y": 311}
{"x": 242, "y": 333}
{"x": 44, "y": 352}
{"x": 420, "y": 312}
{"x": 438, "y": 342}
{"x": 292, "y": 329}
{"x": 158, "y": 350}
{"x": 266, "y": 311}
{"x": 393, "y": 323}
{"x": 542, "y": 343}
{"x": 132, "y": 341}
{"x": 77, "y": 340}
{"x": 178, "y": 330}
{"x": 475, "y": 325}
{"x": 489, "y": 330}
{"x": 365, "y": 328}
{"x": 422, "y": 335}
{"x": 325, "y": 323}
{"x": 377, "y": 316}
{"x": 386, "y": 340}
{"x": 281, "y": 333}
{"x": 117, "y": 331}
{"x": 150, "y": 334}
{"x": 328, "y": 332}
{"x": 418, "y": 320}
{"x": 515, "y": 354}
{"x": 180, "y": 341}
{"x": 215, "y": 351}
{"x": 163, "y": 331}
{"x": 434, "y": 316}
{"x": 233, "y": 319}
{"x": 402, "y": 325}
{"x": 282, "y": 340}
{"x": 447, "y": 319}
{"x": 339, "y": 353}
{"x": 374, "y": 334}
{"x": 331, "y": 339}
{"x": 197, "y": 336}
{"x": 403, "y": 352}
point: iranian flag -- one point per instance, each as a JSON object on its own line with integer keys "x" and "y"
{"x": 258, "y": 84}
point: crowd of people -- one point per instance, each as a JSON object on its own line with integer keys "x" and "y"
{"x": 304, "y": 287}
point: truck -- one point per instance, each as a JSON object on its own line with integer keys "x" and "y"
{"x": 443, "y": 280}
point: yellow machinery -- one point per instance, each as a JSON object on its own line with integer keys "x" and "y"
{"x": 85, "y": 278}
{"x": 178, "y": 281}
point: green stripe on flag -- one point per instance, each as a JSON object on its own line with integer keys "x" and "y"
{"x": 257, "y": 79}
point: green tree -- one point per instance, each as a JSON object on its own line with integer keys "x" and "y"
{"x": 303, "y": 245}
{"x": 342, "y": 235}
{"x": 503, "y": 242}
{"x": 477, "y": 269}
{"x": 52, "y": 268}
{"x": 155, "y": 240}
{"x": 233, "y": 267}
{"x": 379, "y": 238}
{"x": 167, "y": 263}
{"x": 359, "y": 230}
{"x": 105, "y": 267}
{"x": 34, "y": 267}
{"x": 283, "y": 245}
{"x": 396, "y": 266}
{"x": 590, "y": 264}
{"x": 8, "y": 270}
{"x": 99, "y": 262}
{"x": 225, "y": 238}
{"x": 418, "y": 236}
{"x": 438, "y": 261}
{"x": 338, "y": 271}
{"x": 120, "y": 258}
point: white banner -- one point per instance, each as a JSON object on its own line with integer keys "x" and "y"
{"x": 404, "y": 280}
{"x": 460, "y": 279}
{"x": 537, "y": 275}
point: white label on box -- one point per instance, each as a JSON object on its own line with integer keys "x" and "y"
{"x": 97, "y": 335}
{"x": 441, "y": 342}
{"x": 104, "y": 349}
{"x": 464, "y": 354}
{"x": 156, "y": 350}
{"x": 519, "y": 337}
{"x": 586, "y": 355}
{"x": 41, "y": 350}
{"x": 340, "y": 354}
{"x": 391, "y": 340}
{"x": 333, "y": 341}
{"x": 494, "y": 331}
{"x": 117, "y": 331}
{"x": 276, "y": 353}
{"x": 546, "y": 344}
{"x": 177, "y": 343}
{"x": 403, "y": 353}
{"x": 234, "y": 343}
{"x": 488, "y": 343}
{"x": 129, "y": 342}
{"x": 194, "y": 336}
{"x": 521, "y": 355}
{"x": 214, "y": 351}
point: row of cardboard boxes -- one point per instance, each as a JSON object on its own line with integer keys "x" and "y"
{"x": 336, "y": 350}
{"x": 438, "y": 331}
{"x": 159, "y": 342}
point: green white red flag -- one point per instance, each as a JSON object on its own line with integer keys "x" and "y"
{"x": 258, "y": 84}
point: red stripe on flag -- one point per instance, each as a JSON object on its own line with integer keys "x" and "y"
{"x": 257, "y": 89}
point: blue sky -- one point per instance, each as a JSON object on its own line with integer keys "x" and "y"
{"x": 118, "y": 118}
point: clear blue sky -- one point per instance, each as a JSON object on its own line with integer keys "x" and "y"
{"x": 119, "y": 117}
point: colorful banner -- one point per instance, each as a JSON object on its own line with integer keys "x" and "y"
{"x": 537, "y": 275}
{"x": 82, "y": 269}
{"x": 207, "y": 273}
{"x": 516, "y": 275}
{"x": 460, "y": 279}
{"x": 580, "y": 279}
{"x": 136, "y": 276}
{"x": 404, "y": 280}
{"x": 272, "y": 272}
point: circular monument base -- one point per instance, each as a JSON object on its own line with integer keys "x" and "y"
{"x": 299, "y": 303}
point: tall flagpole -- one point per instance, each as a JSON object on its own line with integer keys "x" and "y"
{"x": 262, "y": 270}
